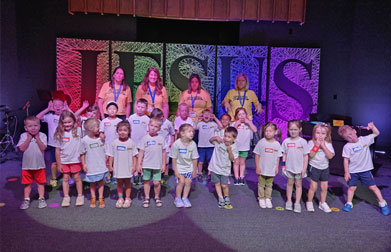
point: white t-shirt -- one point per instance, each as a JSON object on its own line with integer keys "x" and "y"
{"x": 52, "y": 121}
{"x": 123, "y": 153}
{"x": 139, "y": 126}
{"x": 219, "y": 132}
{"x": 268, "y": 153}
{"x": 153, "y": 155}
{"x": 359, "y": 155}
{"x": 95, "y": 156}
{"x": 166, "y": 131}
{"x": 184, "y": 155}
{"x": 319, "y": 161}
{"x": 206, "y": 132}
{"x": 295, "y": 149}
{"x": 245, "y": 134}
{"x": 33, "y": 157}
{"x": 109, "y": 128}
{"x": 69, "y": 147}
{"x": 220, "y": 163}
{"x": 178, "y": 122}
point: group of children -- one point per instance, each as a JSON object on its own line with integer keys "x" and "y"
{"x": 140, "y": 147}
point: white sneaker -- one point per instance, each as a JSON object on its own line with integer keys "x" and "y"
{"x": 297, "y": 208}
{"x": 288, "y": 206}
{"x": 186, "y": 202}
{"x": 178, "y": 202}
{"x": 310, "y": 206}
{"x": 262, "y": 203}
{"x": 269, "y": 203}
{"x": 324, "y": 207}
{"x": 66, "y": 201}
{"x": 80, "y": 200}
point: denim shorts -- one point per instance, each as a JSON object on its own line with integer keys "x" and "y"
{"x": 205, "y": 154}
{"x": 366, "y": 179}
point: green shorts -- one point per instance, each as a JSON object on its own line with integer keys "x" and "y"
{"x": 153, "y": 174}
{"x": 243, "y": 154}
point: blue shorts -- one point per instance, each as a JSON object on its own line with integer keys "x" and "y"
{"x": 366, "y": 179}
{"x": 205, "y": 154}
{"x": 95, "y": 178}
{"x": 52, "y": 154}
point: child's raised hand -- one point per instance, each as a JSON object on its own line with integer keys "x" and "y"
{"x": 246, "y": 121}
{"x": 219, "y": 140}
{"x": 371, "y": 125}
{"x": 227, "y": 106}
{"x": 85, "y": 104}
{"x": 347, "y": 176}
{"x": 50, "y": 105}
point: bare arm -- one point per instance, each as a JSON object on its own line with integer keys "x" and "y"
{"x": 83, "y": 107}
{"x": 134, "y": 164}
{"x": 111, "y": 161}
{"x": 230, "y": 154}
{"x": 41, "y": 145}
{"x": 327, "y": 152}
{"x": 305, "y": 164}
{"x": 127, "y": 110}
{"x": 100, "y": 105}
{"x": 175, "y": 168}
{"x": 83, "y": 162}
{"x": 346, "y": 168}
{"x": 251, "y": 125}
{"x": 23, "y": 147}
{"x": 140, "y": 160}
{"x": 165, "y": 110}
{"x": 163, "y": 169}
{"x": 375, "y": 131}
{"x": 257, "y": 166}
{"x": 45, "y": 111}
{"x": 217, "y": 122}
{"x": 194, "y": 174}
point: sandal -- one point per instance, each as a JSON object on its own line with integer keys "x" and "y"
{"x": 158, "y": 202}
{"x": 120, "y": 203}
{"x": 53, "y": 182}
{"x": 146, "y": 202}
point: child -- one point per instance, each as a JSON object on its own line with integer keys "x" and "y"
{"x": 320, "y": 151}
{"x": 139, "y": 127}
{"x": 267, "y": 159}
{"x": 220, "y": 164}
{"x": 67, "y": 139}
{"x": 108, "y": 129}
{"x": 294, "y": 163}
{"x": 123, "y": 154}
{"x": 57, "y": 106}
{"x": 93, "y": 160}
{"x": 245, "y": 131}
{"x": 184, "y": 163}
{"x": 183, "y": 117}
{"x": 358, "y": 164}
{"x": 92, "y": 112}
{"x": 167, "y": 132}
{"x": 225, "y": 120}
{"x": 33, "y": 143}
{"x": 152, "y": 152}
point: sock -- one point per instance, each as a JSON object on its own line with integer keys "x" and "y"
{"x": 27, "y": 198}
{"x": 350, "y": 203}
{"x": 382, "y": 203}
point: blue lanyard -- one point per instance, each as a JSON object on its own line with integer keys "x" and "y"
{"x": 193, "y": 100}
{"x": 116, "y": 95}
{"x": 244, "y": 98}
{"x": 152, "y": 95}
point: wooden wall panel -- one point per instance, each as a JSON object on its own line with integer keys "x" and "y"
{"x": 158, "y": 8}
{"x": 173, "y": 8}
{"x": 205, "y": 9}
{"x": 126, "y": 7}
{"x": 235, "y": 9}
{"x": 110, "y": 6}
{"x": 189, "y": 9}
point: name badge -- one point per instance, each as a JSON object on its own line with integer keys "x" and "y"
{"x": 269, "y": 150}
{"x": 222, "y": 149}
{"x": 291, "y": 145}
{"x": 150, "y": 143}
{"x": 107, "y": 123}
{"x": 55, "y": 120}
{"x": 129, "y": 148}
{"x": 357, "y": 148}
{"x": 66, "y": 139}
{"x": 192, "y": 114}
{"x": 121, "y": 148}
{"x": 182, "y": 151}
{"x": 205, "y": 126}
{"x": 94, "y": 145}
{"x": 136, "y": 121}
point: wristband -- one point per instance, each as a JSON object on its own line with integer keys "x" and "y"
{"x": 315, "y": 148}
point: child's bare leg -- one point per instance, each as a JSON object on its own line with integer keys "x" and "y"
{"x": 289, "y": 189}
{"x": 54, "y": 170}
{"x": 312, "y": 190}
{"x": 156, "y": 188}
{"x": 323, "y": 191}
{"x": 200, "y": 164}
{"x": 147, "y": 188}
{"x": 65, "y": 184}
{"x": 218, "y": 190}
{"x": 225, "y": 190}
{"x": 299, "y": 190}
{"x": 27, "y": 190}
{"x": 242, "y": 165}
{"x": 236, "y": 168}
{"x": 93, "y": 189}
{"x": 179, "y": 187}
{"x": 79, "y": 183}
{"x": 128, "y": 188}
{"x": 187, "y": 188}
{"x": 120, "y": 189}
{"x": 166, "y": 171}
{"x": 377, "y": 192}
{"x": 351, "y": 190}
{"x": 101, "y": 188}
{"x": 41, "y": 190}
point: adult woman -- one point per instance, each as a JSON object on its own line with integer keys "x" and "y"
{"x": 195, "y": 97}
{"x": 152, "y": 90}
{"x": 241, "y": 96}
{"x": 115, "y": 90}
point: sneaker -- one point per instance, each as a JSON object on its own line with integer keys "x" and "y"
{"x": 288, "y": 206}
{"x": 53, "y": 182}
{"x": 242, "y": 181}
{"x": 25, "y": 204}
{"x": 269, "y": 203}
{"x": 66, "y": 201}
{"x": 385, "y": 210}
{"x": 120, "y": 203}
{"x": 71, "y": 181}
{"x": 310, "y": 206}
{"x": 127, "y": 203}
{"x": 93, "y": 202}
{"x": 297, "y": 208}
{"x": 199, "y": 178}
{"x": 102, "y": 203}
{"x": 347, "y": 207}
{"x": 236, "y": 181}
{"x": 42, "y": 203}
{"x": 221, "y": 203}
{"x": 324, "y": 207}
{"x": 186, "y": 202}
{"x": 262, "y": 203}
{"x": 227, "y": 202}
{"x": 178, "y": 202}
{"x": 80, "y": 200}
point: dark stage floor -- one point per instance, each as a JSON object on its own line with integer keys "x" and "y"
{"x": 204, "y": 227}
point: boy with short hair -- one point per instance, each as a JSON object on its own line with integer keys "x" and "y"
{"x": 220, "y": 164}
{"x": 358, "y": 164}
{"x": 151, "y": 157}
{"x": 33, "y": 143}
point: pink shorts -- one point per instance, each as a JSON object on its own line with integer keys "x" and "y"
{"x": 71, "y": 168}
{"x": 28, "y": 176}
